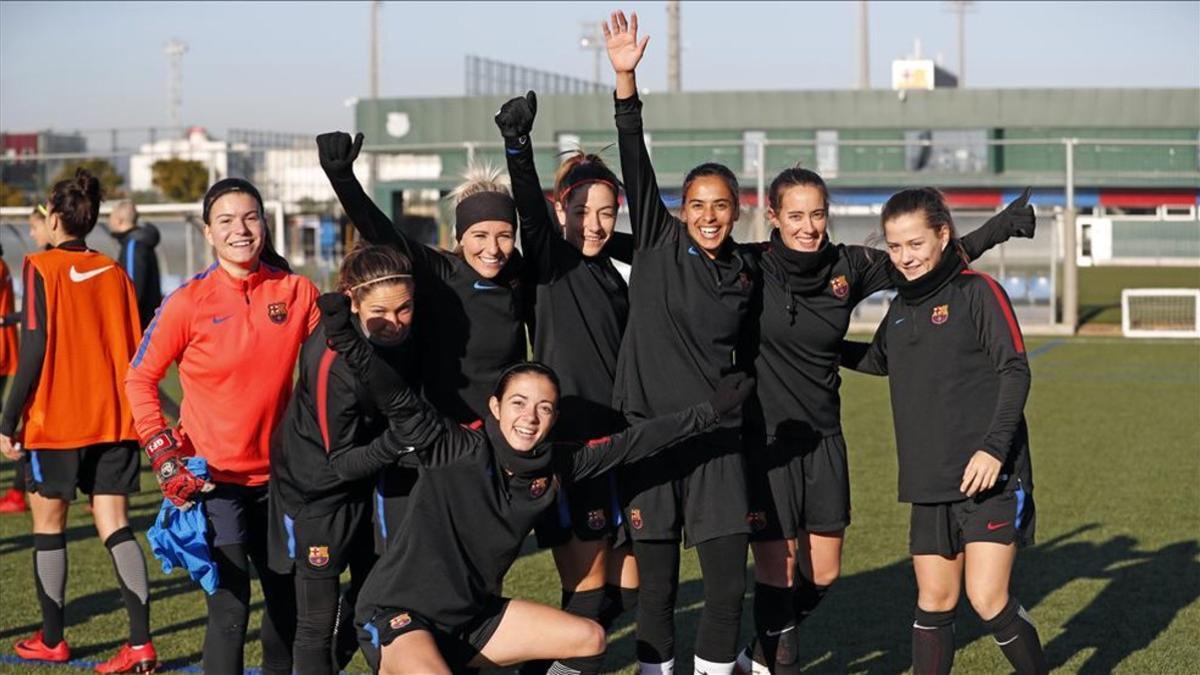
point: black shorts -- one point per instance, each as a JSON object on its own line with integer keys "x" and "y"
{"x": 697, "y": 489}
{"x": 1001, "y": 516}
{"x": 457, "y": 647}
{"x": 798, "y": 486}
{"x": 319, "y": 543}
{"x": 390, "y": 505}
{"x": 588, "y": 511}
{"x": 236, "y": 513}
{"x": 104, "y": 469}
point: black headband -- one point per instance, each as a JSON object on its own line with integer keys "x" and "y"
{"x": 224, "y": 187}
{"x": 483, "y": 206}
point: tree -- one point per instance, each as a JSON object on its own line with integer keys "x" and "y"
{"x": 180, "y": 180}
{"x": 11, "y": 196}
{"x": 105, "y": 172}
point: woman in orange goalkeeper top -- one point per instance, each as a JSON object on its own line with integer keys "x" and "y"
{"x": 235, "y": 330}
{"x": 67, "y": 409}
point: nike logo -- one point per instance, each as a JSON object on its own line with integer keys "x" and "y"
{"x": 79, "y": 277}
{"x": 692, "y": 251}
{"x": 485, "y": 286}
{"x": 898, "y": 321}
{"x": 995, "y": 526}
{"x": 776, "y": 633}
{"x": 221, "y": 319}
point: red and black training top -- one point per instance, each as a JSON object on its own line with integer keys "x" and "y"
{"x": 959, "y": 376}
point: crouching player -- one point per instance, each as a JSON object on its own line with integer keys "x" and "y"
{"x": 955, "y": 360}
{"x": 79, "y": 331}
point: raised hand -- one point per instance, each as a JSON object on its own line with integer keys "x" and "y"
{"x": 515, "y": 118}
{"x": 1019, "y": 216}
{"x": 337, "y": 152}
{"x": 621, "y": 38}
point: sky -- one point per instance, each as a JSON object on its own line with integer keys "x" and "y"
{"x": 293, "y": 66}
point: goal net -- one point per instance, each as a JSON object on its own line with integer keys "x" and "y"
{"x": 1160, "y": 312}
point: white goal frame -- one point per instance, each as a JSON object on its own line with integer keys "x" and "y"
{"x": 1128, "y": 331}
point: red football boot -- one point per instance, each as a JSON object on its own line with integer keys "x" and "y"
{"x": 131, "y": 659}
{"x": 13, "y": 501}
{"x": 33, "y": 649}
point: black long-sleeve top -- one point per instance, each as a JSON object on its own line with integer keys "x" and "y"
{"x": 686, "y": 311}
{"x": 136, "y": 256}
{"x": 956, "y": 365}
{"x": 582, "y": 304}
{"x": 33, "y": 345}
{"x": 468, "y": 328}
{"x": 803, "y": 311}
{"x": 320, "y": 453}
{"x": 469, "y": 518}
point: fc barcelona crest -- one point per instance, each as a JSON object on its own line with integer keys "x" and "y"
{"x": 941, "y": 314}
{"x": 318, "y": 556}
{"x": 839, "y": 286}
{"x": 635, "y": 518}
{"x": 277, "y": 312}
{"x": 596, "y": 520}
{"x": 537, "y": 487}
{"x": 400, "y": 621}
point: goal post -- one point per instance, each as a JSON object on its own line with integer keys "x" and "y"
{"x": 1160, "y": 312}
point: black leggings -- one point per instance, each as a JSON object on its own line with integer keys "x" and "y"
{"x": 229, "y": 607}
{"x": 723, "y": 564}
{"x": 325, "y": 634}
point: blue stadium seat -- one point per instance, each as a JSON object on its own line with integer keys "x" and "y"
{"x": 1017, "y": 289}
{"x": 1041, "y": 290}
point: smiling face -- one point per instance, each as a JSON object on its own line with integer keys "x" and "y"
{"x": 526, "y": 410}
{"x": 802, "y": 218}
{"x": 385, "y": 312}
{"x": 710, "y": 211}
{"x": 915, "y": 246}
{"x": 235, "y": 231}
{"x": 487, "y": 246}
{"x": 589, "y": 217}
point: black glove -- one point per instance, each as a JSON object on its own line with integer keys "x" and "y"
{"x": 515, "y": 118}
{"x": 1018, "y": 217}
{"x": 337, "y": 153}
{"x": 383, "y": 383}
{"x": 336, "y": 318}
{"x": 731, "y": 392}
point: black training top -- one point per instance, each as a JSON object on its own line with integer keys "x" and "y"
{"x": 958, "y": 375}
{"x": 803, "y": 311}
{"x": 686, "y": 311}
{"x": 330, "y": 414}
{"x": 468, "y": 328}
{"x": 581, "y": 307}
{"x": 137, "y": 258}
{"x": 468, "y": 518}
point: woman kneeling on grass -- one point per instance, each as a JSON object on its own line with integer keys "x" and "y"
{"x": 958, "y": 374}
{"x": 433, "y": 603}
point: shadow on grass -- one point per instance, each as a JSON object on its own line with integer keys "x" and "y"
{"x": 863, "y": 624}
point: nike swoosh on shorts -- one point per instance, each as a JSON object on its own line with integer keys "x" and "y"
{"x": 78, "y": 276}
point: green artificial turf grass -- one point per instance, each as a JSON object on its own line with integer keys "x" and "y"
{"x": 1100, "y": 287}
{"x": 1113, "y": 582}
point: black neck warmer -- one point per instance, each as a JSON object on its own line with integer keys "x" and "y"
{"x": 805, "y": 272}
{"x": 528, "y": 465}
{"x": 917, "y": 290}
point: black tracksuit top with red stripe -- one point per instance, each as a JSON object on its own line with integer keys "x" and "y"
{"x": 803, "y": 311}
{"x": 468, "y": 518}
{"x": 581, "y": 306}
{"x": 956, "y": 365}
{"x": 331, "y": 428}
{"x": 468, "y": 328}
{"x": 686, "y": 311}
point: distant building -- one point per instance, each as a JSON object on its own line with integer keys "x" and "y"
{"x": 34, "y": 175}
{"x": 221, "y": 158}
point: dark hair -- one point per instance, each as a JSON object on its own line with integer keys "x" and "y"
{"x": 368, "y": 267}
{"x": 224, "y": 187}
{"x": 77, "y": 201}
{"x": 712, "y": 169}
{"x": 795, "y": 177}
{"x": 526, "y": 368}
{"x": 580, "y": 168}
{"x": 929, "y": 201}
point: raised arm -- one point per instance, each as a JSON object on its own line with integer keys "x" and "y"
{"x": 649, "y": 218}
{"x": 1016, "y": 220}
{"x": 653, "y": 436}
{"x": 515, "y": 121}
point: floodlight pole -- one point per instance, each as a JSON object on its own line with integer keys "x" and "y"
{"x": 1070, "y": 278}
{"x": 864, "y": 48}
{"x": 372, "y": 159}
{"x": 674, "y": 76}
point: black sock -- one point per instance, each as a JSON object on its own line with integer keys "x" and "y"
{"x": 130, "y": 566}
{"x": 1017, "y": 637}
{"x": 50, "y": 578}
{"x": 775, "y": 625}
{"x": 933, "y": 642}
{"x": 807, "y": 596}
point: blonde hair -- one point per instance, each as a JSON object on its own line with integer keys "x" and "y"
{"x": 480, "y": 178}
